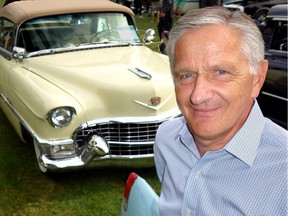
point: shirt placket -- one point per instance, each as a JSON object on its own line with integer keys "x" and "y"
{"x": 192, "y": 190}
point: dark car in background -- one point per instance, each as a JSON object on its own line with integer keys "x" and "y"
{"x": 256, "y": 9}
{"x": 273, "y": 96}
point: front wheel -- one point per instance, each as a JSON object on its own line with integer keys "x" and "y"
{"x": 260, "y": 16}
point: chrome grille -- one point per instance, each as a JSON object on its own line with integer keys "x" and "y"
{"x": 134, "y": 149}
{"x": 123, "y": 138}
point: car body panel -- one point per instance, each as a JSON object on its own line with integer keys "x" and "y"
{"x": 95, "y": 95}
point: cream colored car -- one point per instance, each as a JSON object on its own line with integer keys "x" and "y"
{"x": 77, "y": 82}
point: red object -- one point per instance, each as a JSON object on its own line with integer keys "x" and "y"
{"x": 129, "y": 183}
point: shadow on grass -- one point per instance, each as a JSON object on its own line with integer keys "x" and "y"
{"x": 24, "y": 190}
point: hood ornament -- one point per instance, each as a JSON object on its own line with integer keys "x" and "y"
{"x": 140, "y": 73}
{"x": 155, "y": 101}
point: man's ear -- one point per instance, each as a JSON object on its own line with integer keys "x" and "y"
{"x": 260, "y": 78}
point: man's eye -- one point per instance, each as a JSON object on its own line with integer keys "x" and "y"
{"x": 220, "y": 72}
{"x": 186, "y": 76}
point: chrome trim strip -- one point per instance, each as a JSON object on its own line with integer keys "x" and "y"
{"x": 22, "y": 121}
{"x": 234, "y": 7}
{"x": 30, "y": 130}
{"x": 123, "y": 157}
{"x": 274, "y": 96}
{"x": 132, "y": 143}
{"x": 149, "y": 119}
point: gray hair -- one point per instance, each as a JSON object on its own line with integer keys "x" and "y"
{"x": 252, "y": 45}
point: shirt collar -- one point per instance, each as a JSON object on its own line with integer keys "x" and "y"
{"x": 187, "y": 139}
{"x": 245, "y": 142}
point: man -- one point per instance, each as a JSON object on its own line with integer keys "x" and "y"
{"x": 223, "y": 157}
{"x": 179, "y": 5}
{"x": 166, "y": 17}
{"x": 155, "y": 9}
{"x": 138, "y": 7}
{"x": 127, "y": 3}
{"x": 208, "y": 3}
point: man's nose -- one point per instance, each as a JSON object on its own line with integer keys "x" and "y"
{"x": 202, "y": 90}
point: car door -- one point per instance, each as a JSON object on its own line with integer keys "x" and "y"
{"x": 273, "y": 96}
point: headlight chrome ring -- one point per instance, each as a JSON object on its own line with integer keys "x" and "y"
{"x": 61, "y": 116}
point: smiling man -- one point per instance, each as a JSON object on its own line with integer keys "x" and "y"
{"x": 223, "y": 157}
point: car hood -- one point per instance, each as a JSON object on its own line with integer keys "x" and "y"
{"x": 105, "y": 84}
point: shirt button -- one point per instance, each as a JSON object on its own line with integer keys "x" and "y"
{"x": 188, "y": 212}
{"x": 198, "y": 174}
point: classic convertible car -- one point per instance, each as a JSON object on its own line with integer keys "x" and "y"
{"x": 77, "y": 82}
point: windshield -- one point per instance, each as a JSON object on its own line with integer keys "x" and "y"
{"x": 75, "y": 30}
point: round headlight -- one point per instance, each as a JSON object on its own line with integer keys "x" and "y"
{"x": 61, "y": 116}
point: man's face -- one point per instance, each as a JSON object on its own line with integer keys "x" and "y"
{"x": 214, "y": 87}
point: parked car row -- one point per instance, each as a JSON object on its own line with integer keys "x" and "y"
{"x": 258, "y": 10}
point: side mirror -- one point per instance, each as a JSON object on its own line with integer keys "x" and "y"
{"x": 149, "y": 35}
{"x": 18, "y": 53}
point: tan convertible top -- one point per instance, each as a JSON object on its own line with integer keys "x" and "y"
{"x": 20, "y": 11}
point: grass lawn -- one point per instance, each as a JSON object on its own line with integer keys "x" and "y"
{"x": 25, "y": 191}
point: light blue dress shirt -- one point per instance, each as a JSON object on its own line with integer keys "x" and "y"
{"x": 247, "y": 177}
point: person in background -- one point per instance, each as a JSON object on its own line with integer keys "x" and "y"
{"x": 209, "y": 3}
{"x": 222, "y": 157}
{"x": 155, "y": 9}
{"x": 138, "y": 7}
{"x": 179, "y": 5}
{"x": 127, "y": 3}
{"x": 166, "y": 17}
{"x": 147, "y": 4}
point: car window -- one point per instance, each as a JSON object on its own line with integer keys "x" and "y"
{"x": 279, "y": 39}
{"x": 275, "y": 35}
{"x": 6, "y": 34}
{"x": 76, "y": 29}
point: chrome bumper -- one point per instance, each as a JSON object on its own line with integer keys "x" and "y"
{"x": 94, "y": 154}
{"x": 77, "y": 163}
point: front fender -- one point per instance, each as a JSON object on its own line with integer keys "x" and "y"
{"x": 33, "y": 97}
